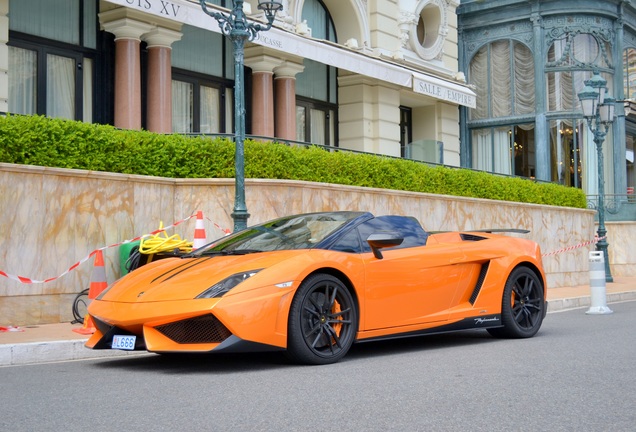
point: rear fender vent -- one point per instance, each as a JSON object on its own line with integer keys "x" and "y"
{"x": 480, "y": 282}
{"x": 471, "y": 237}
{"x": 199, "y": 330}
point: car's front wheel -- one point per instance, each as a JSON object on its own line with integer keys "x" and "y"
{"x": 523, "y": 305}
{"x": 323, "y": 321}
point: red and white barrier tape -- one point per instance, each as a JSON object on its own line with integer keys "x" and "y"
{"x": 226, "y": 231}
{"x": 569, "y": 248}
{"x": 25, "y": 280}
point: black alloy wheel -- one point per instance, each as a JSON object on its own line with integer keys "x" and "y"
{"x": 523, "y": 305}
{"x": 323, "y": 321}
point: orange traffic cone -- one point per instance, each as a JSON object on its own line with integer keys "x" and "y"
{"x": 98, "y": 278}
{"x": 199, "y": 232}
{"x": 87, "y": 328}
{"x": 98, "y": 284}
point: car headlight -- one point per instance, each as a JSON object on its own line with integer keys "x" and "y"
{"x": 220, "y": 288}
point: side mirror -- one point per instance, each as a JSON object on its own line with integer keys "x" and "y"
{"x": 385, "y": 240}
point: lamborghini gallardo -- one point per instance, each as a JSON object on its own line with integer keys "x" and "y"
{"x": 314, "y": 284}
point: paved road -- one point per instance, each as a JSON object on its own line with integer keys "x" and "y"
{"x": 577, "y": 374}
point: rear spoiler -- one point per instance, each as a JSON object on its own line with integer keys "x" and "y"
{"x": 489, "y": 231}
{"x": 504, "y": 230}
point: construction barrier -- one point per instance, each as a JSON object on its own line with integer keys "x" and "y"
{"x": 598, "y": 299}
{"x": 199, "y": 232}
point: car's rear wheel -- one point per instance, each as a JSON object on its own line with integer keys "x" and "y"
{"x": 323, "y": 321}
{"x": 523, "y": 305}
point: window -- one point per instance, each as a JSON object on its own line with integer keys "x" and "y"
{"x": 315, "y": 122}
{"x": 407, "y": 228}
{"x": 430, "y": 30}
{"x": 52, "y": 82}
{"x": 51, "y": 57}
{"x": 316, "y": 86}
{"x": 570, "y": 61}
{"x": 503, "y": 75}
{"x": 406, "y": 129}
{"x": 200, "y": 105}
{"x": 566, "y": 145}
{"x": 629, "y": 74}
{"x": 505, "y": 149}
{"x": 202, "y": 95}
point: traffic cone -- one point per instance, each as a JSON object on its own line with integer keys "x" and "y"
{"x": 87, "y": 328}
{"x": 98, "y": 278}
{"x": 199, "y": 232}
{"x": 98, "y": 284}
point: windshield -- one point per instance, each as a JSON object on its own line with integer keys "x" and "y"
{"x": 287, "y": 233}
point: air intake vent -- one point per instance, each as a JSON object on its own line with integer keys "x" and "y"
{"x": 101, "y": 325}
{"x": 471, "y": 237}
{"x": 480, "y": 282}
{"x": 203, "y": 329}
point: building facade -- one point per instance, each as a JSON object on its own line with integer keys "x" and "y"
{"x": 528, "y": 61}
{"x": 374, "y": 76}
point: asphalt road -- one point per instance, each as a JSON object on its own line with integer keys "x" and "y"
{"x": 577, "y": 374}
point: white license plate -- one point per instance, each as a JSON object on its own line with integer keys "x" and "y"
{"x": 124, "y": 342}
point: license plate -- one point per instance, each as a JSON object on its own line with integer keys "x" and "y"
{"x": 124, "y": 342}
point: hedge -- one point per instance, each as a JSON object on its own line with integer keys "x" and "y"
{"x": 37, "y": 140}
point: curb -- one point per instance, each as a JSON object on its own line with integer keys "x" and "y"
{"x": 53, "y": 351}
{"x": 68, "y": 350}
{"x": 560, "y": 305}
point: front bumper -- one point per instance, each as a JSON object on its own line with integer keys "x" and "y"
{"x": 195, "y": 325}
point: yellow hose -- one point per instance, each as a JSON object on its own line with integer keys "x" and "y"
{"x": 162, "y": 243}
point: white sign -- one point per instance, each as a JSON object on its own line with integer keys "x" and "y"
{"x": 163, "y": 8}
{"x": 444, "y": 91}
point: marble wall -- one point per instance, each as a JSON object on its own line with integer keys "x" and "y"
{"x": 51, "y": 219}
{"x": 621, "y": 237}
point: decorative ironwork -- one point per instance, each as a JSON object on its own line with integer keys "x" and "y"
{"x": 598, "y": 111}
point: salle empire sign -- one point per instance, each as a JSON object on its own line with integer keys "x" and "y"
{"x": 444, "y": 93}
{"x": 160, "y": 7}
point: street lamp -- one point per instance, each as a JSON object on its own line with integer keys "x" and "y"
{"x": 598, "y": 110}
{"x": 236, "y": 26}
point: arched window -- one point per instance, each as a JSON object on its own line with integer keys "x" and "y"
{"x": 316, "y": 86}
{"x": 571, "y": 60}
{"x": 502, "y": 124}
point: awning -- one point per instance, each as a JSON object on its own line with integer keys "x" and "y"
{"x": 189, "y": 12}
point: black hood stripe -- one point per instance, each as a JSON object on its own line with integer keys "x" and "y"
{"x": 179, "y": 269}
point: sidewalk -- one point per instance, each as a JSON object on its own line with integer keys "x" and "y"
{"x": 58, "y": 342}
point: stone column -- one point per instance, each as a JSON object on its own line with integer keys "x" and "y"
{"x": 369, "y": 112}
{"x": 128, "y": 34}
{"x": 4, "y": 56}
{"x": 159, "y": 93}
{"x": 262, "y": 66}
{"x": 285, "y": 95}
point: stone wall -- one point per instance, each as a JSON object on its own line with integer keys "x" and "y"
{"x": 52, "y": 218}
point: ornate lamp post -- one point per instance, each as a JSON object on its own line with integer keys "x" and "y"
{"x": 239, "y": 30}
{"x": 598, "y": 110}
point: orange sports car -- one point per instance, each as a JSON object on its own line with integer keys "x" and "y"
{"x": 313, "y": 284}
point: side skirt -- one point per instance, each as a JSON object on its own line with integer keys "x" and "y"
{"x": 472, "y": 323}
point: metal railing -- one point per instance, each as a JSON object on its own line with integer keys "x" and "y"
{"x": 618, "y": 207}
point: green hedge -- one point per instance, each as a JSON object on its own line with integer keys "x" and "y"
{"x": 37, "y": 140}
